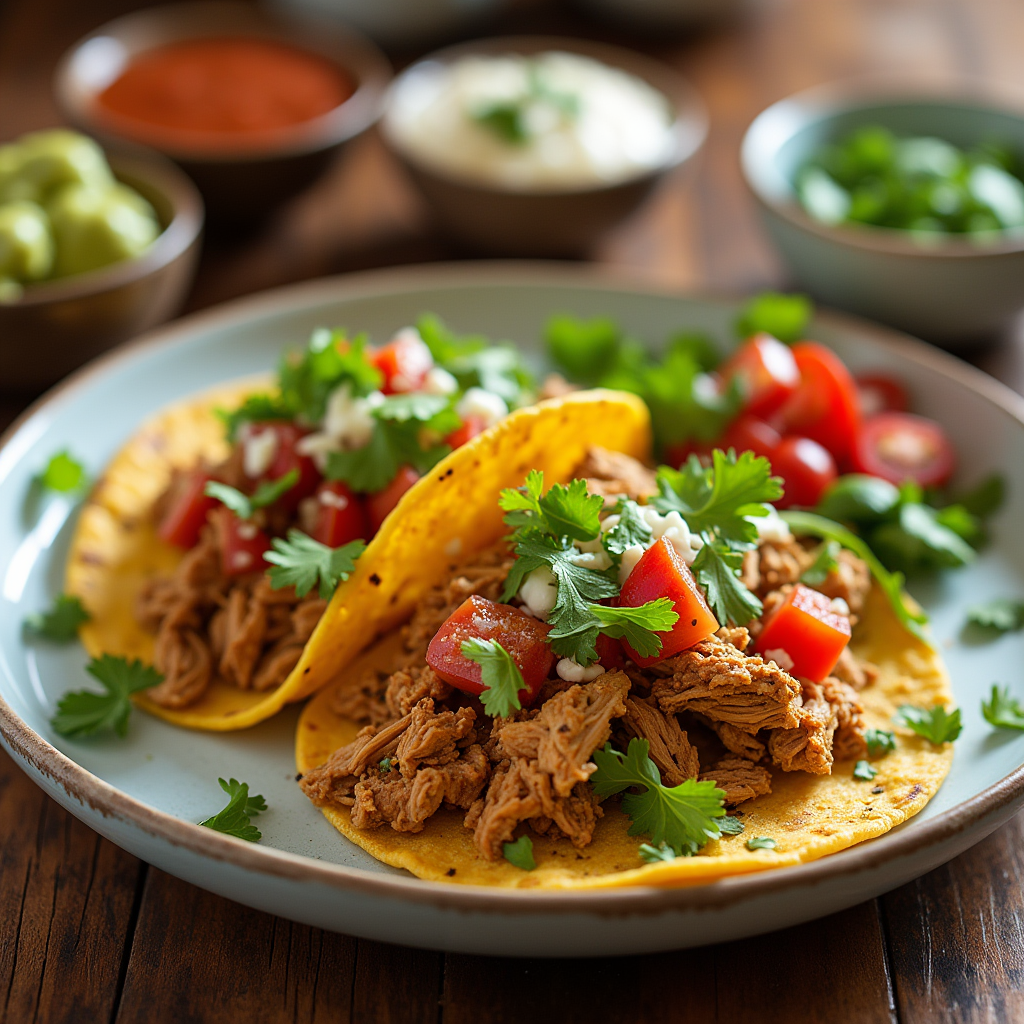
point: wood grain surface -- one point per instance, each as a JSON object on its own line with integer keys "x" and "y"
{"x": 88, "y": 933}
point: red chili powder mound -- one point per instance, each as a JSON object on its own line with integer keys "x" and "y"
{"x": 219, "y": 91}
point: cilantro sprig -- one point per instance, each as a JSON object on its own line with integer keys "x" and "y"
{"x": 234, "y": 819}
{"x": 880, "y": 742}
{"x": 520, "y": 853}
{"x": 761, "y": 843}
{"x": 1000, "y": 615}
{"x": 564, "y": 511}
{"x": 300, "y": 561}
{"x": 825, "y": 561}
{"x": 935, "y": 724}
{"x": 245, "y": 505}
{"x": 63, "y": 473}
{"x": 60, "y": 622}
{"x": 499, "y": 673}
{"x": 1002, "y": 710}
{"x": 638, "y": 626}
{"x": 684, "y": 817}
{"x": 85, "y": 712}
{"x": 864, "y": 771}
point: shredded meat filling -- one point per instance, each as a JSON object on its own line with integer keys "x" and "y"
{"x": 739, "y": 779}
{"x": 670, "y": 749}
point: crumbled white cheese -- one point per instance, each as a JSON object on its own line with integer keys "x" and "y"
{"x": 573, "y": 672}
{"x": 674, "y": 529}
{"x": 416, "y": 361}
{"x": 596, "y": 560}
{"x": 348, "y": 424}
{"x": 771, "y": 527}
{"x": 781, "y": 658}
{"x": 839, "y": 607}
{"x": 439, "y": 381}
{"x": 630, "y": 557}
{"x": 332, "y": 500}
{"x": 258, "y": 451}
{"x": 484, "y": 404}
{"x": 539, "y": 592}
{"x": 241, "y": 560}
{"x": 247, "y": 531}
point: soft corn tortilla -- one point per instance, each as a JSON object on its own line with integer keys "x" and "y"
{"x": 808, "y": 816}
{"x": 115, "y": 548}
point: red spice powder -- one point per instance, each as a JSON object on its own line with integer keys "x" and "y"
{"x": 219, "y": 92}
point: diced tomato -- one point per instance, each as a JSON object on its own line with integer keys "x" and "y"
{"x": 609, "y": 651}
{"x": 524, "y": 637}
{"x": 661, "y": 572}
{"x": 188, "y": 512}
{"x": 404, "y": 361}
{"x": 341, "y": 516}
{"x": 808, "y": 631}
{"x": 750, "y": 434}
{"x": 826, "y": 406}
{"x": 807, "y": 469}
{"x": 471, "y": 426}
{"x": 879, "y": 393}
{"x": 286, "y": 458}
{"x": 767, "y": 372}
{"x": 898, "y": 446}
{"x": 242, "y": 544}
{"x": 379, "y": 505}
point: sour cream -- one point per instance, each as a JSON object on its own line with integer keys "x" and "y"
{"x": 556, "y": 121}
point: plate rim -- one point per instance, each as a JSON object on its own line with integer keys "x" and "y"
{"x": 36, "y": 753}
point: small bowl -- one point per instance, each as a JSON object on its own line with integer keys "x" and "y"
{"x": 55, "y": 326}
{"x": 504, "y": 222}
{"x": 238, "y": 183}
{"x": 953, "y": 292}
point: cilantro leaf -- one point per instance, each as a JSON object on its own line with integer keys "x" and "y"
{"x": 783, "y": 316}
{"x": 730, "y": 826}
{"x": 63, "y": 474}
{"x": 935, "y": 724}
{"x": 256, "y": 408}
{"x": 499, "y": 673}
{"x": 858, "y": 498}
{"x": 573, "y": 627}
{"x": 716, "y": 569}
{"x": 506, "y": 119}
{"x": 682, "y": 816}
{"x": 270, "y": 490}
{"x": 639, "y": 626}
{"x": 864, "y": 771}
{"x": 564, "y": 511}
{"x": 986, "y": 498}
{"x": 918, "y": 541}
{"x": 1001, "y": 614}
{"x": 761, "y": 843}
{"x": 1002, "y": 710}
{"x": 233, "y": 820}
{"x": 654, "y": 854}
{"x": 880, "y": 741}
{"x": 584, "y": 349}
{"x": 631, "y": 529}
{"x": 244, "y": 505}
{"x": 825, "y": 562}
{"x": 84, "y": 712}
{"x": 520, "y": 853}
{"x": 299, "y": 561}
{"x": 59, "y": 623}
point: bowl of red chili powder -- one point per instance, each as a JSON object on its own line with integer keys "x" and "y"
{"x": 252, "y": 103}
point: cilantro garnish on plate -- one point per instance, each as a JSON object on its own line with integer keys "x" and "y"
{"x": 783, "y": 316}
{"x": 826, "y": 561}
{"x": 1001, "y": 615}
{"x": 60, "y": 622}
{"x": 520, "y": 853}
{"x": 654, "y": 854}
{"x": 685, "y": 816}
{"x": 234, "y": 819}
{"x": 84, "y": 712}
{"x": 761, "y": 843}
{"x": 500, "y": 675}
{"x": 63, "y": 474}
{"x": 1002, "y": 710}
{"x": 864, "y": 771}
{"x": 880, "y": 742}
{"x": 935, "y": 724}
{"x": 244, "y": 505}
{"x": 300, "y": 561}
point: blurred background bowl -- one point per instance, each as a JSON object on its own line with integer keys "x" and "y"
{"x": 55, "y": 326}
{"x": 238, "y": 182}
{"x": 951, "y": 291}
{"x": 498, "y": 221}
{"x": 662, "y": 15}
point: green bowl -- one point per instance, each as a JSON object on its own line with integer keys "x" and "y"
{"x": 954, "y": 292}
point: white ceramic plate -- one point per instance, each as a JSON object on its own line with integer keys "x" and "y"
{"x": 144, "y": 793}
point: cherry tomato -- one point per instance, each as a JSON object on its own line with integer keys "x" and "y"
{"x": 767, "y": 372}
{"x": 187, "y": 513}
{"x": 286, "y": 458}
{"x": 609, "y": 651}
{"x": 807, "y": 469}
{"x": 661, "y": 572}
{"x": 242, "y": 543}
{"x": 750, "y": 434}
{"x": 898, "y": 446}
{"x": 340, "y": 516}
{"x": 404, "y": 361}
{"x": 471, "y": 426}
{"x": 808, "y": 631}
{"x": 677, "y": 454}
{"x": 825, "y": 407}
{"x": 879, "y": 393}
{"x": 380, "y": 504}
{"x": 523, "y": 636}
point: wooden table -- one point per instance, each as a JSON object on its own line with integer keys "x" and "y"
{"x": 89, "y": 933}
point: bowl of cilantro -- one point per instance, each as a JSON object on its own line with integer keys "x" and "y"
{"x": 905, "y": 206}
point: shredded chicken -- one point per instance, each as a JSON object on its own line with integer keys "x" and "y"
{"x": 670, "y": 749}
{"x": 611, "y": 473}
{"x": 807, "y": 747}
{"x": 736, "y": 741}
{"x": 740, "y": 779}
{"x": 848, "y": 742}
{"x": 855, "y": 671}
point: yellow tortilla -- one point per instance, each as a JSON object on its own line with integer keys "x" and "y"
{"x": 808, "y": 816}
{"x": 115, "y": 547}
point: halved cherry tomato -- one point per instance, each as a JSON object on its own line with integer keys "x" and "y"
{"x": 471, "y": 426}
{"x": 524, "y": 637}
{"x": 609, "y": 651}
{"x": 808, "y": 631}
{"x": 750, "y": 434}
{"x": 767, "y": 372}
{"x": 380, "y": 504}
{"x": 807, "y": 469}
{"x": 899, "y": 446}
{"x": 286, "y": 458}
{"x": 340, "y": 515}
{"x": 242, "y": 544}
{"x": 661, "y": 572}
{"x": 879, "y": 393}
{"x": 677, "y": 454}
{"x": 404, "y": 361}
{"x": 188, "y": 512}
{"x": 825, "y": 407}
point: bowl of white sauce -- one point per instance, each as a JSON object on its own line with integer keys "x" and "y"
{"x": 536, "y": 146}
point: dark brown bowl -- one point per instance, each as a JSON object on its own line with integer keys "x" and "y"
{"x": 55, "y": 326}
{"x": 565, "y": 222}
{"x": 238, "y": 183}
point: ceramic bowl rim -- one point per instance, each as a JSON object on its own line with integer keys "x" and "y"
{"x": 81, "y": 785}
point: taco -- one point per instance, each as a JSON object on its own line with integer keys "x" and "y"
{"x": 651, "y": 681}
{"x": 170, "y": 555}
